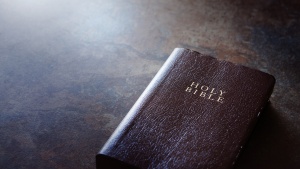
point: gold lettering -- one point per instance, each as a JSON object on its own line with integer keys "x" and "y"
{"x": 212, "y": 91}
{"x": 188, "y": 89}
{"x": 220, "y": 99}
{"x": 195, "y": 91}
{"x": 202, "y": 94}
{"x": 194, "y": 84}
{"x": 206, "y": 88}
{"x": 206, "y": 92}
{"x": 209, "y": 97}
{"x": 222, "y": 92}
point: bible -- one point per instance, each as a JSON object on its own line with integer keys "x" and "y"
{"x": 197, "y": 112}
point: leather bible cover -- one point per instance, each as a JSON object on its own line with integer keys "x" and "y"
{"x": 197, "y": 112}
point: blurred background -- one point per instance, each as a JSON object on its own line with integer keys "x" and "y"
{"x": 70, "y": 70}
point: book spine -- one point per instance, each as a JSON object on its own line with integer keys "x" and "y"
{"x": 145, "y": 98}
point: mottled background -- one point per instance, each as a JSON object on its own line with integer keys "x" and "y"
{"x": 70, "y": 70}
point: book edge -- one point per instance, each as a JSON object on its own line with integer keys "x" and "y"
{"x": 147, "y": 94}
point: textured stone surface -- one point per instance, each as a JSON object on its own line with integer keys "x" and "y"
{"x": 71, "y": 70}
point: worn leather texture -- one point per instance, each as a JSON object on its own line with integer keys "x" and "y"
{"x": 174, "y": 126}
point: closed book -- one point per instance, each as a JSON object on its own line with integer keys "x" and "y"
{"x": 197, "y": 112}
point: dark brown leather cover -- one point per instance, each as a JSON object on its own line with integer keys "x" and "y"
{"x": 197, "y": 112}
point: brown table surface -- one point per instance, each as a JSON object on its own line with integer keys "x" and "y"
{"x": 70, "y": 70}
